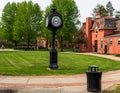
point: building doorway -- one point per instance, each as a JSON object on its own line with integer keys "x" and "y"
{"x": 95, "y": 45}
{"x": 106, "y": 49}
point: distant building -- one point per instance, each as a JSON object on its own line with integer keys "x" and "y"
{"x": 102, "y": 35}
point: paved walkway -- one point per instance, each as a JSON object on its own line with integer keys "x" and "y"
{"x": 99, "y": 55}
{"x": 56, "y": 84}
{"x": 103, "y": 55}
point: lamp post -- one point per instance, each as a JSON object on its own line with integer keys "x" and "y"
{"x": 53, "y": 22}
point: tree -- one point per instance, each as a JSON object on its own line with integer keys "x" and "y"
{"x": 1, "y": 32}
{"x": 110, "y": 9}
{"x": 8, "y": 19}
{"x": 100, "y": 9}
{"x": 70, "y": 16}
{"x": 117, "y": 15}
{"x": 27, "y": 22}
{"x": 79, "y": 37}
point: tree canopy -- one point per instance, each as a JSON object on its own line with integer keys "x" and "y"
{"x": 27, "y": 22}
{"x": 100, "y": 9}
{"x": 8, "y": 19}
{"x": 21, "y": 21}
{"x": 110, "y": 9}
{"x": 117, "y": 15}
{"x": 104, "y": 11}
{"x": 1, "y": 32}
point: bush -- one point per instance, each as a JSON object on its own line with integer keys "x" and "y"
{"x": 41, "y": 47}
{"x": 118, "y": 55}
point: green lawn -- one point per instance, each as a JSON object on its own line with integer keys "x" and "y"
{"x": 37, "y": 62}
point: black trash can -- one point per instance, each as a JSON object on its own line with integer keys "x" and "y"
{"x": 93, "y": 79}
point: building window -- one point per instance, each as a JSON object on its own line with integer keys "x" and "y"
{"x": 84, "y": 45}
{"x": 101, "y": 43}
{"x": 111, "y": 42}
{"x": 96, "y": 36}
{"x": 118, "y": 41}
{"x": 96, "y": 30}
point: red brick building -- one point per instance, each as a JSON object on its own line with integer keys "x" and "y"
{"x": 102, "y": 35}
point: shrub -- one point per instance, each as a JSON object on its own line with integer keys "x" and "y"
{"x": 118, "y": 55}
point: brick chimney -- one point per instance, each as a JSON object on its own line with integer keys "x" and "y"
{"x": 89, "y": 34}
{"x": 97, "y": 15}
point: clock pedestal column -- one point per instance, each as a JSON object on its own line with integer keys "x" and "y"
{"x": 53, "y": 53}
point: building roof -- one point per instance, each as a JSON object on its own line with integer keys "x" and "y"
{"x": 114, "y": 35}
{"x": 107, "y": 22}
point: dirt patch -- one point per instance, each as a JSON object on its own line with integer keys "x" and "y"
{"x": 110, "y": 89}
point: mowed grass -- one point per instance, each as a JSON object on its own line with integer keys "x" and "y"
{"x": 27, "y": 63}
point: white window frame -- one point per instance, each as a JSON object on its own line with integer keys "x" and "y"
{"x": 118, "y": 41}
{"x": 101, "y": 43}
{"x": 111, "y": 42}
{"x": 96, "y": 30}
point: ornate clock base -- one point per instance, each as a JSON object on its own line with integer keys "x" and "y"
{"x": 53, "y": 59}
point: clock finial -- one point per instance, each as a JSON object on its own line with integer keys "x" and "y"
{"x": 54, "y": 8}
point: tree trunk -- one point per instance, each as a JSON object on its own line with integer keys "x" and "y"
{"x": 47, "y": 44}
{"x": 28, "y": 44}
{"x": 15, "y": 43}
{"x": 61, "y": 43}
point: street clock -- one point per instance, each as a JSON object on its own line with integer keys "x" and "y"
{"x": 54, "y": 20}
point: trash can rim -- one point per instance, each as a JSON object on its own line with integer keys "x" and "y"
{"x": 93, "y": 66}
{"x": 93, "y": 72}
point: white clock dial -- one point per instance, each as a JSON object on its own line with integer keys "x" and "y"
{"x": 47, "y": 22}
{"x": 56, "y": 21}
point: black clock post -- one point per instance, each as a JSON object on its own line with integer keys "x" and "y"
{"x": 53, "y": 22}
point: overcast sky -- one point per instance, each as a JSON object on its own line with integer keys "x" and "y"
{"x": 85, "y": 6}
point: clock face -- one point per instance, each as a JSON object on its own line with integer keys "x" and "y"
{"x": 47, "y": 22}
{"x": 56, "y": 21}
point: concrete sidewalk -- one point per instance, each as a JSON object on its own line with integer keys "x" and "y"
{"x": 55, "y": 84}
{"x": 103, "y": 55}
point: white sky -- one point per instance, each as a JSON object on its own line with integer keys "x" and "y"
{"x": 85, "y": 6}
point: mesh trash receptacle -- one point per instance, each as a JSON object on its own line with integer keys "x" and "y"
{"x": 93, "y": 79}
